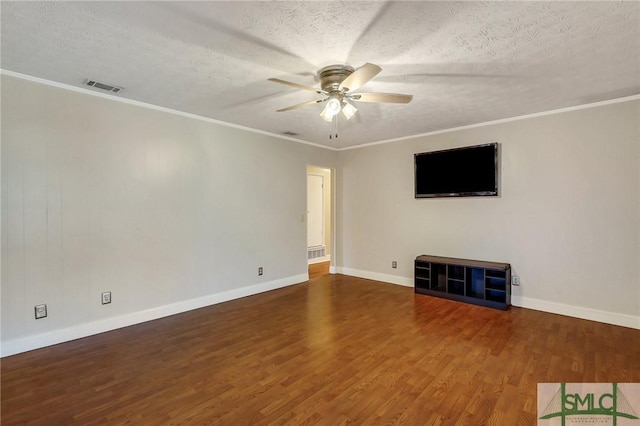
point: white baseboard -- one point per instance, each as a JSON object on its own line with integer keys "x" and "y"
{"x": 326, "y": 258}
{"x": 377, "y": 276}
{"x": 28, "y": 343}
{"x": 522, "y": 302}
{"x": 19, "y": 345}
{"x": 577, "y": 312}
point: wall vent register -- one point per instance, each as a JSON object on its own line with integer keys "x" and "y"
{"x": 104, "y": 86}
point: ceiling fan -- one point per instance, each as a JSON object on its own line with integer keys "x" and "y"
{"x": 338, "y": 84}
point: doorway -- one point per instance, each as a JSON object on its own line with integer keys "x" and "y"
{"x": 319, "y": 218}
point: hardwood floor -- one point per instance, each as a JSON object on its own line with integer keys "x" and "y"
{"x": 317, "y": 270}
{"x": 335, "y": 350}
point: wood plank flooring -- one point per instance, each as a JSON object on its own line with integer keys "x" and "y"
{"x": 319, "y": 269}
{"x": 335, "y": 350}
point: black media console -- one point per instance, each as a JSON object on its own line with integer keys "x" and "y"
{"x": 471, "y": 281}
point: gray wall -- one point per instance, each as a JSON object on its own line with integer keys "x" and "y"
{"x": 567, "y": 218}
{"x": 158, "y": 208}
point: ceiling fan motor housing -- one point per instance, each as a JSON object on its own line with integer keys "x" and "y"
{"x": 331, "y": 77}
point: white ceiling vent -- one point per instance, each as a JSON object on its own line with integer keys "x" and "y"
{"x": 103, "y": 86}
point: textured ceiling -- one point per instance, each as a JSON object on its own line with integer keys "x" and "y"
{"x": 464, "y": 62}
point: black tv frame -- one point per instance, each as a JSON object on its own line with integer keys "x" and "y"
{"x": 490, "y": 193}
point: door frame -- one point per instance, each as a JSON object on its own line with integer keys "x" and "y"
{"x": 332, "y": 215}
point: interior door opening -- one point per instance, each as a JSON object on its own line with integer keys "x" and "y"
{"x": 319, "y": 215}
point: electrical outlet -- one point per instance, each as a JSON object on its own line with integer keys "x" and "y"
{"x": 260, "y": 270}
{"x": 394, "y": 264}
{"x": 41, "y": 311}
{"x": 106, "y": 297}
{"x": 515, "y": 280}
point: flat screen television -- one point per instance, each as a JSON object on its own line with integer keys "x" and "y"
{"x": 470, "y": 171}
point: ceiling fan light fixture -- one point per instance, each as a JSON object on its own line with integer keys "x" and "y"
{"x": 326, "y": 116}
{"x": 348, "y": 110}
{"x": 331, "y": 109}
{"x": 333, "y": 106}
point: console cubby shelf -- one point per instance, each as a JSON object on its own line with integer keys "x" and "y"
{"x": 472, "y": 281}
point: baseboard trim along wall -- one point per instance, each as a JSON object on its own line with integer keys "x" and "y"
{"x": 376, "y": 276}
{"x": 577, "y": 312}
{"x": 319, "y": 260}
{"x": 519, "y": 301}
{"x": 28, "y": 343}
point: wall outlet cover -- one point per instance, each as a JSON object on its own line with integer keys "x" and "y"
{"x": 41, "y": 311}
{"x": 106, "y": 297}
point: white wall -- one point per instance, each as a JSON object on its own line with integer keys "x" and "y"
{"x": 567, "y": 219}
{"x": 167, "y": 212}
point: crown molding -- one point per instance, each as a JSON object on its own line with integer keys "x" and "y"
{"x": 154, "y": 107}
{"x": 284, "y": 137}
{"x": 500, "y": 121}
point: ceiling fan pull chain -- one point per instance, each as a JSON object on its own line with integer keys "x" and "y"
{"x": 334, "y": 124}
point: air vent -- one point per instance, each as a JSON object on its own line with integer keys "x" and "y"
{"x": 315, "y": 252}
{"x": 103, "y": 86}
{"x": 288, "y": 133}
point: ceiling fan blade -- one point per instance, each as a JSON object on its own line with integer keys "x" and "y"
{"x": 359, "y": 77}
{"x": 317, "y": 101}
{"x": 298, "y": 86}
{"x": 393, "y": 98}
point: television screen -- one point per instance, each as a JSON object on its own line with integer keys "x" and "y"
{"x": 460, "y": 172}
